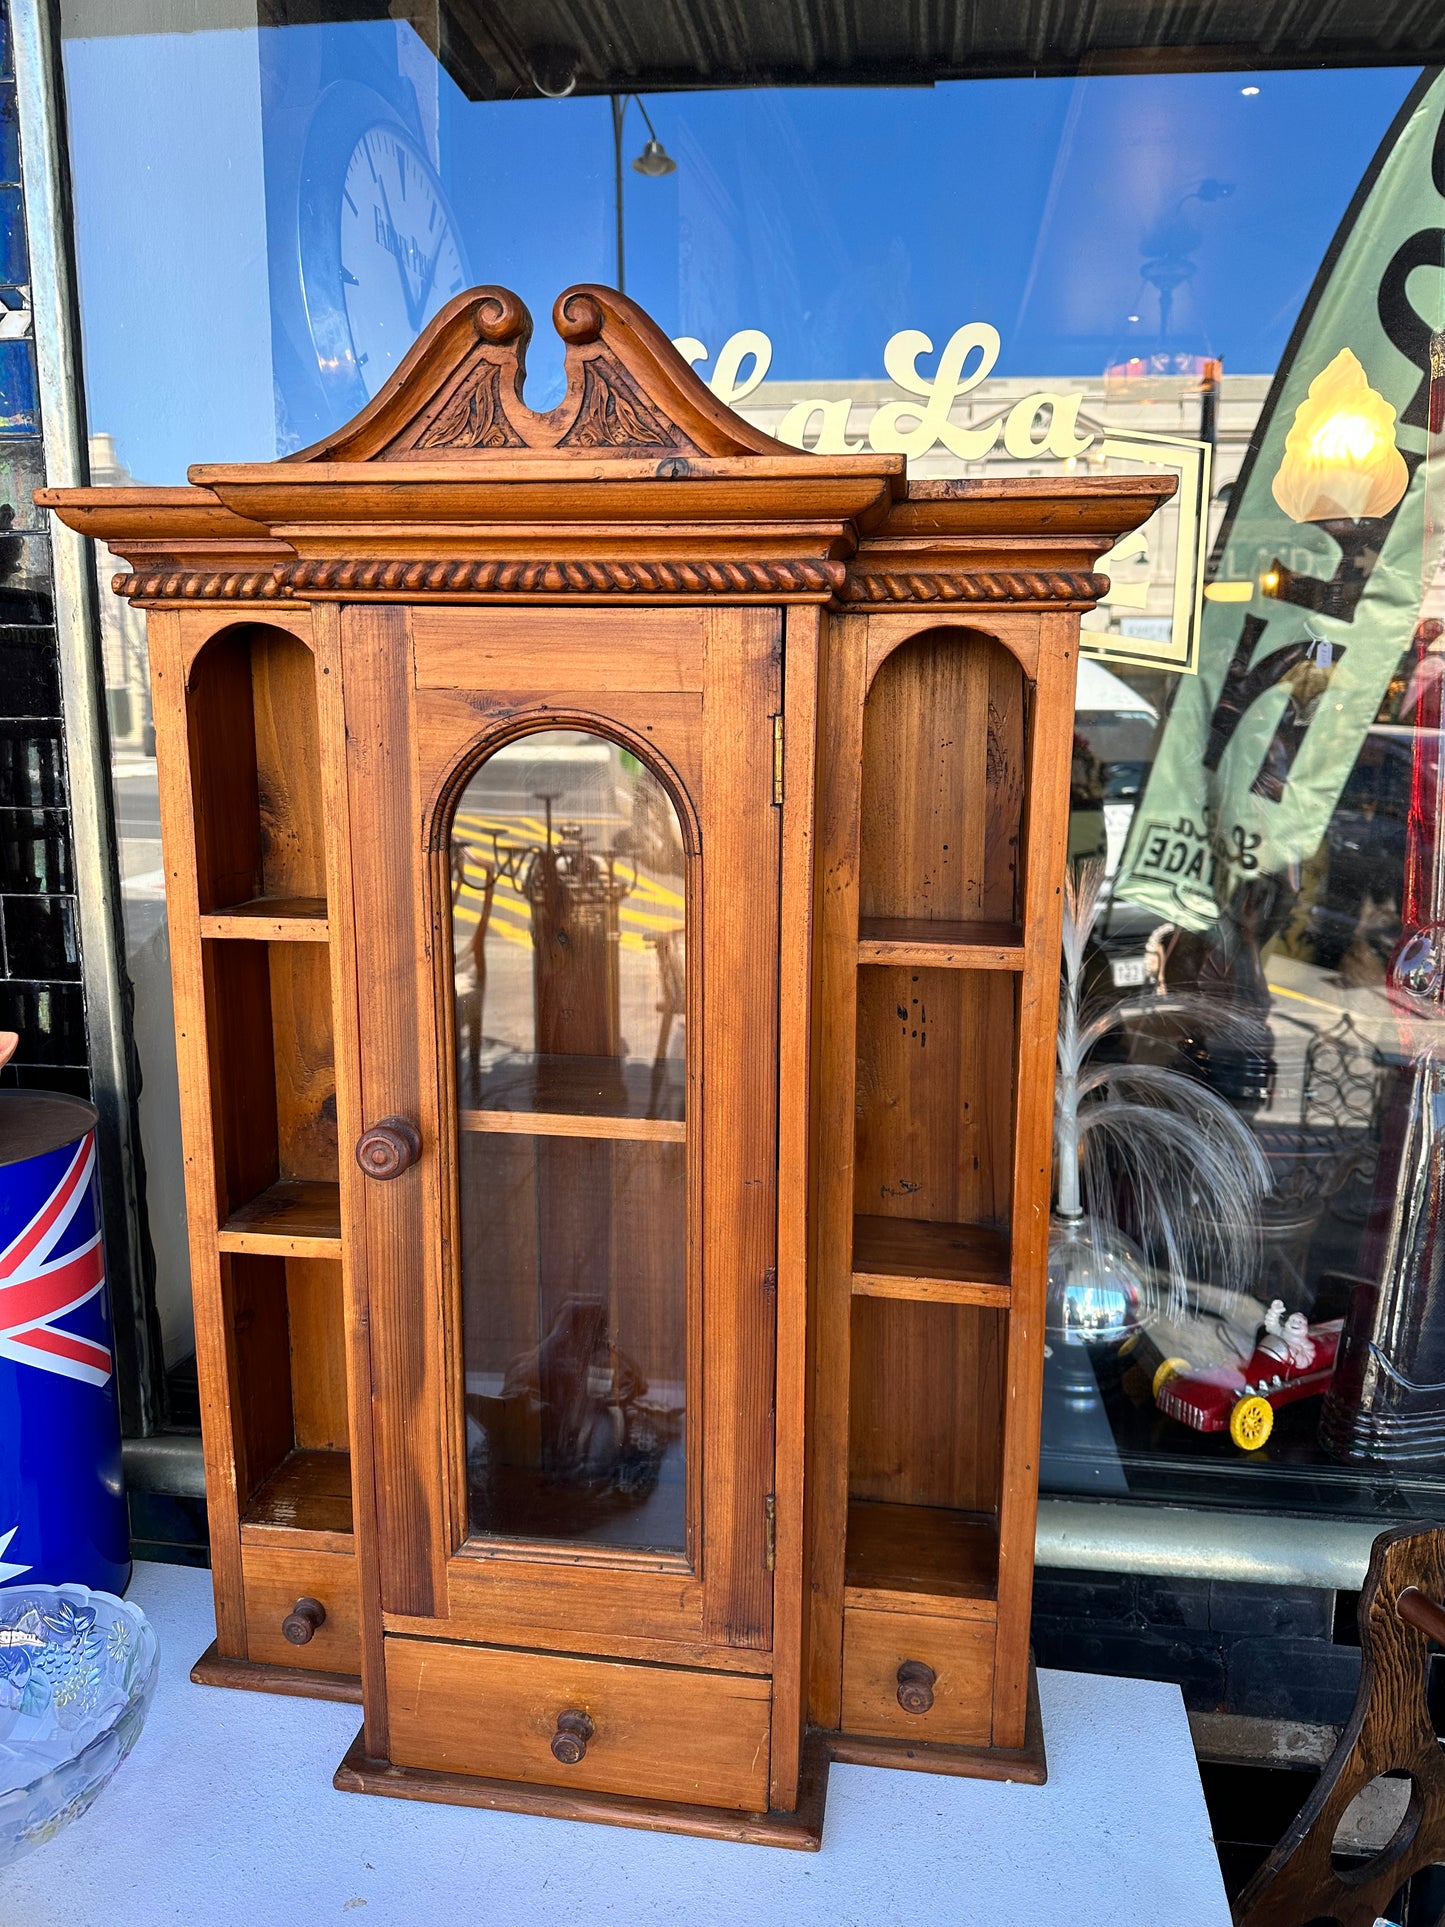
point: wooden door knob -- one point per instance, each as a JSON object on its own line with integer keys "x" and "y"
{"x": 388, "y": 1148}
{"x": 915, "y": 1686}
{"x": 304, "y": 1621}
{"x": 569, "y": 1742}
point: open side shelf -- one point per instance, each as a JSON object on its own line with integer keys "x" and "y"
{"x": 270, "y": 920}
{"x": 929, "y": 1557}
{"x": 957, "y": 1264}
{"x": 293, "y": 1218}
{"x": 308, "y": 1496}
{"x": 933, "y": 943}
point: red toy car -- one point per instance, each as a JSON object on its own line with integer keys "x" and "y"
{"x": 1291, "y": 1359}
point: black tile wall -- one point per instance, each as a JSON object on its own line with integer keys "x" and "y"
{"x": 40, "y": 993}
{"x": 1271, "y": 1652}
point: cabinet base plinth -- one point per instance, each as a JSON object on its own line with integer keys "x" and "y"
{"x": 296, "y": 1682}
{"x": 1027, "y": 1763}
{"x": 802, "y": 1830}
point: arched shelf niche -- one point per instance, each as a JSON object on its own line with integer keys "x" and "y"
{"x": 251, "y": 717}
{"x": 255, "y": 769}
{"x": 945, "y": 745}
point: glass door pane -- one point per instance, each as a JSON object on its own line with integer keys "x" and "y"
{"x": 569, "y": 946}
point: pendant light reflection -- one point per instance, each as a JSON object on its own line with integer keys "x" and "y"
{"x": 654, "y": 160}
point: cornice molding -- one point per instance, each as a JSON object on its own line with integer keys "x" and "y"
{"x": 889, "y": 587}
{"x": 422, "y": 581}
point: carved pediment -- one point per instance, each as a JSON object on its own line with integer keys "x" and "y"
{"x": 459, "y": 391}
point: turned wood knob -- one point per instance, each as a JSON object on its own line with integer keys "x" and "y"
{"x": 388, "y": 1148}
{"x": 304, "y": 1621}
{"x": 569, "y": 1742}
{"x": 1418, "y": 1610}
{"x": 915, "y": 1686}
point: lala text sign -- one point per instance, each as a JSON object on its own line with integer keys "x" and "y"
{"x": 1318, "y": 574}
{"x": 1041, "y": 425}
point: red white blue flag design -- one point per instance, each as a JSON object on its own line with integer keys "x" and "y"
{"x": 38, "y": 1291}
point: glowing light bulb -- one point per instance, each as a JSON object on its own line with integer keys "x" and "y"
{"x": 1340, "y": 458}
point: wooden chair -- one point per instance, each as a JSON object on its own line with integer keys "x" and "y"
{"x": 1389, "y": 1731}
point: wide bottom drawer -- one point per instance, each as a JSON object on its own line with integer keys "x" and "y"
{"x": 918, "y": 1676}
{"x": 604, "y": 1726}
{"x": 277, "y": 1584}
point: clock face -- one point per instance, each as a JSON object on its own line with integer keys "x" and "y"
{"x": 400, "y": 256}
{"x": 378, "y": 248}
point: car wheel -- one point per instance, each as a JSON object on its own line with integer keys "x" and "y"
{"x": 1170, "y": 1368}
{"x": 1250, "y": 1423}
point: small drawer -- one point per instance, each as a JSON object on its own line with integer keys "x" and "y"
{"x": 602, "y": 1726}
{"x": 918, "y": 1676}
{"x": 276, "y": 1584}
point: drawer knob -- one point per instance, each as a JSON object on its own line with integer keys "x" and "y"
{"x": 388, "y": 1148}
{"x": 915, "y": 1686}
{"x": 569, "y": 1742}
{"x": 304, "y": 1621}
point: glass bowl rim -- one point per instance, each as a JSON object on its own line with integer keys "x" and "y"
{"x": 84, "y": 1595}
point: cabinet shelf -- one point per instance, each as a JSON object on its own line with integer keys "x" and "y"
{"x": 307, "y": 1498}
{"x": 270, "y": 920}
{"x": 663, "y": 1130}
{"x": 953, "y": 1264}
{"x": 290, "y": 1219}
{"x": 940, "y": 944}
{"x": 917, "y": 1556}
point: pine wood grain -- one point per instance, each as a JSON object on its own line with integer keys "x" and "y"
{"x": 929, "y": 1556}
{"x": 961, "y": 1264}
{"x": 925, "y": 1402}
{"x": 300, "y": 999}
{"x": 310, "y": 752}
{"x": 275, "y": 1580}
{"x": 653, "y": 650}
{"x": 742, "y": 693}
{"x": 662, "y": 1733}
{"x": 288, "y": 767}
{"x": 656, "y": 1130}
{"x": 801, "y": 643}
{"x": 270, "y": 920}
{"x": 315, "y": 1317}
{"x": 841, "y": 692}
{"x": 940, "y": 943}
{"x": 186, "y": 843}
{"x": 411, "y": 1489}
{"x": 1047, "y": 825}
{"x": 959, "y": 1652}
{"x": 309, "y": 1492}
{"x": 346, "y": 1020}
{"x": 943, "y": 782}
{"x": 800, "y": 1829}
{"x": 289, "y": 1219}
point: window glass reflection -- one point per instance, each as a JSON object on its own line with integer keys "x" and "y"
{"x": 569, "y": 942}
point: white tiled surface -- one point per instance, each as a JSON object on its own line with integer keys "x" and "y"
{"x": 225, "y": 1816}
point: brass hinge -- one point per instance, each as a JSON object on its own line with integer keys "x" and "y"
{"x": 770, "y": 1533}
{"x": 777, "y": 759}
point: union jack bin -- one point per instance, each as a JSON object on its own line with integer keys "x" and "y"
{"x": 62, "y": 1503}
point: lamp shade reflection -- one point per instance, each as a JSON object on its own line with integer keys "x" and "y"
{"x": 1340, "y": 457}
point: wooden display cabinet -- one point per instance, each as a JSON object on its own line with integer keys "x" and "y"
{"x": 613, "y": 864}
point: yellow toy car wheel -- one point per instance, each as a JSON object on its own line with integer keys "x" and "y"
{"x": 1250, "y": 1423}
{"x": 1170, "y": 1368}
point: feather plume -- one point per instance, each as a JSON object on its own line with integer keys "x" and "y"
{"x": 1185, "y": 1164}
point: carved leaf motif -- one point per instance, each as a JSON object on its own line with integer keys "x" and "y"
{"x": 473, "y": 416}
{"x": 614, "y": 415}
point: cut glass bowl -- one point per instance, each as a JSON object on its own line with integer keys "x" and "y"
{"x": 77, "y": 1675}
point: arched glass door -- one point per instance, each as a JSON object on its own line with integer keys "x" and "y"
{"x": 569, "y": 943}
